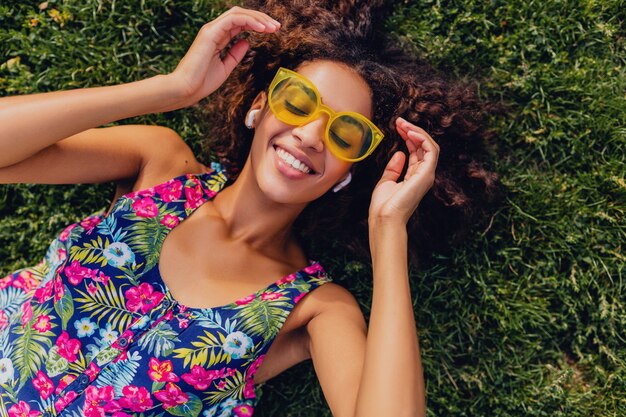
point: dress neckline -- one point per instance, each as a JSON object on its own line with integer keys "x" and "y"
{"x": 313, "y": 268}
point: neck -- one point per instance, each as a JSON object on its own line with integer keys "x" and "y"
{"x": 251, "y": 217}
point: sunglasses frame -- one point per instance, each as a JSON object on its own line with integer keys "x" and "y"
{"x": 284, "y": 73}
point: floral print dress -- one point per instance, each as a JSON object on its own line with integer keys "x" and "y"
{"x": 93, "y": 330}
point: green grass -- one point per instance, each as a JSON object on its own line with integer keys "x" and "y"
{"x": 528, "y": 317}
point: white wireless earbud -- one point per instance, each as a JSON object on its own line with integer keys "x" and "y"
{"x": 250, "y": 119}
{"x": 343, "y": 182}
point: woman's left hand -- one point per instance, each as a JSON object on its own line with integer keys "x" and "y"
{"x": 396, "y": 201}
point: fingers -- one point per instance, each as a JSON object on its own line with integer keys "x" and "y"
{"x": 235, "y": 55}
{"x": 423, "y": 150}
{"x": 413, "y": 135}
{"x": 235, "y": 20}
{"x": 394, "y": 168}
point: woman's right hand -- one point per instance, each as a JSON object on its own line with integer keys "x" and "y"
{"x": 202, "y": 71}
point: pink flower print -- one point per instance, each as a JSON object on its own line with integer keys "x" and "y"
{"x": 6, "y": 281}
{"x": 248, "y": 390}
{"x": 142, "y": 297}
{"x": 298, "y": 297}
{"x": 245, "y": 300}
{"x": 62, "y": 402}
{"x": 194, "y": 197}
{"x": 92, "y": 289}
{"x": 75, "y": 273}
{"x": 220, "y": 385}
{"x": 42, "y": 324}
{"x": 170, "y": 221}
{"x": 66, "y": 233}
{"x": 171, "y": 396}
{"x": 59, "y": 289}
{"x": 43, "y": 294}
{"x": 145, "y": 207}
{"x": 161, "y": 371}
{"x": 64, "y": 382}
{"x": 200, "y": 378}
{"x": 255, "y": 366}
{"x": 90, "y": 222}
{"x": 4, "y": 320}
{"x": 148, "y": 192}
{"x": 92, "y": 371}
{"x": 43, "y": 384}
{"x": 27, "y": 313}
{"x": 136, "y": 399}
{"x": 99, "y": 276}
{"x": 62, "y": 254}
{"x": 98, "y": 401}
{"x": 244, "y": 410}
{"x": 270, "y": 295}
{"x": 288, "y": 278}
{"x": 183, "y": 323}
{"x": 25, "y": 281}
{"x": 229, "y": 372}
{"x": 68, "y": 348}
{"x": 22, "y": 409}
{"x": 313, "y": 269}
{"x": 170, "y": 191}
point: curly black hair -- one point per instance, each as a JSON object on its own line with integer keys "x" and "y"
{"x": 351, "y": 33}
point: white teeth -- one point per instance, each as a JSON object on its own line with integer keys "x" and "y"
{"x": 291, "y": 160}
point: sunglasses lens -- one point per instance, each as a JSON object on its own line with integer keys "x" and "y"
{"x": 292, "y": 101}
{"x": 349, "y": 137}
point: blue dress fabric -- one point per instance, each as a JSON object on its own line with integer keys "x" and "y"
{"x": 92, "y": 330}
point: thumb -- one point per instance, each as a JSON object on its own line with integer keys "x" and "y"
{"x": 394, "y": 167}
{"x": 235, "y": 55}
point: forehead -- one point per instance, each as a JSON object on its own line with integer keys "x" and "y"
{"x": 341, "y": 88}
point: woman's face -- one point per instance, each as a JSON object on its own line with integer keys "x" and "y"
{"x": 274, "y": 141}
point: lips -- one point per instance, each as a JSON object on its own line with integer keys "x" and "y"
{"x": 295, "y": 159}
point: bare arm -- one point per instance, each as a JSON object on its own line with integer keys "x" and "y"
{"x": 29, "y": 124}
{"x": 378, "y": 371}
{"x": 392, "y": 382}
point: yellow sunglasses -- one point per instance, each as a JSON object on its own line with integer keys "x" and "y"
{"x": 294, "y": 100}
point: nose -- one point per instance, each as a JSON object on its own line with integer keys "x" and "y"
{"x": 311, "y": 134}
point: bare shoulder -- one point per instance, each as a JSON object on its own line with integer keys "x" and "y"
{"x": 166, "y": 156}
{"x": 331, "y": 301}
{"x": 163, "y": 155}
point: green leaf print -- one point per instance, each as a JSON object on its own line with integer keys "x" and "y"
{"x": 208, "y": 345}
{"x": 106, "y": 355}
{"x": 90, "y": 252}
{"x": 146, "y": 236}
{"x": 30, "y": 349}
{"x": 121, "y": 373}
{"x": 190, "y": 408}
{"x": 159, "y": 340}
{"x": 233, "y": 388}
{"x": 56, "y": 364}
{"x": 263, "y": 317}
{"x": 106, "y": 303}
{"x": 65, "y": 307}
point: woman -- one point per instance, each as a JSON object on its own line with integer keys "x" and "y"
{"x": 119, "y": 320}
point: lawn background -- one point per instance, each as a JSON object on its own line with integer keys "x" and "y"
{"x": 528, "y": 316}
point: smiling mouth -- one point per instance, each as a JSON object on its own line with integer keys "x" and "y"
{"x": 292, "y": 161}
